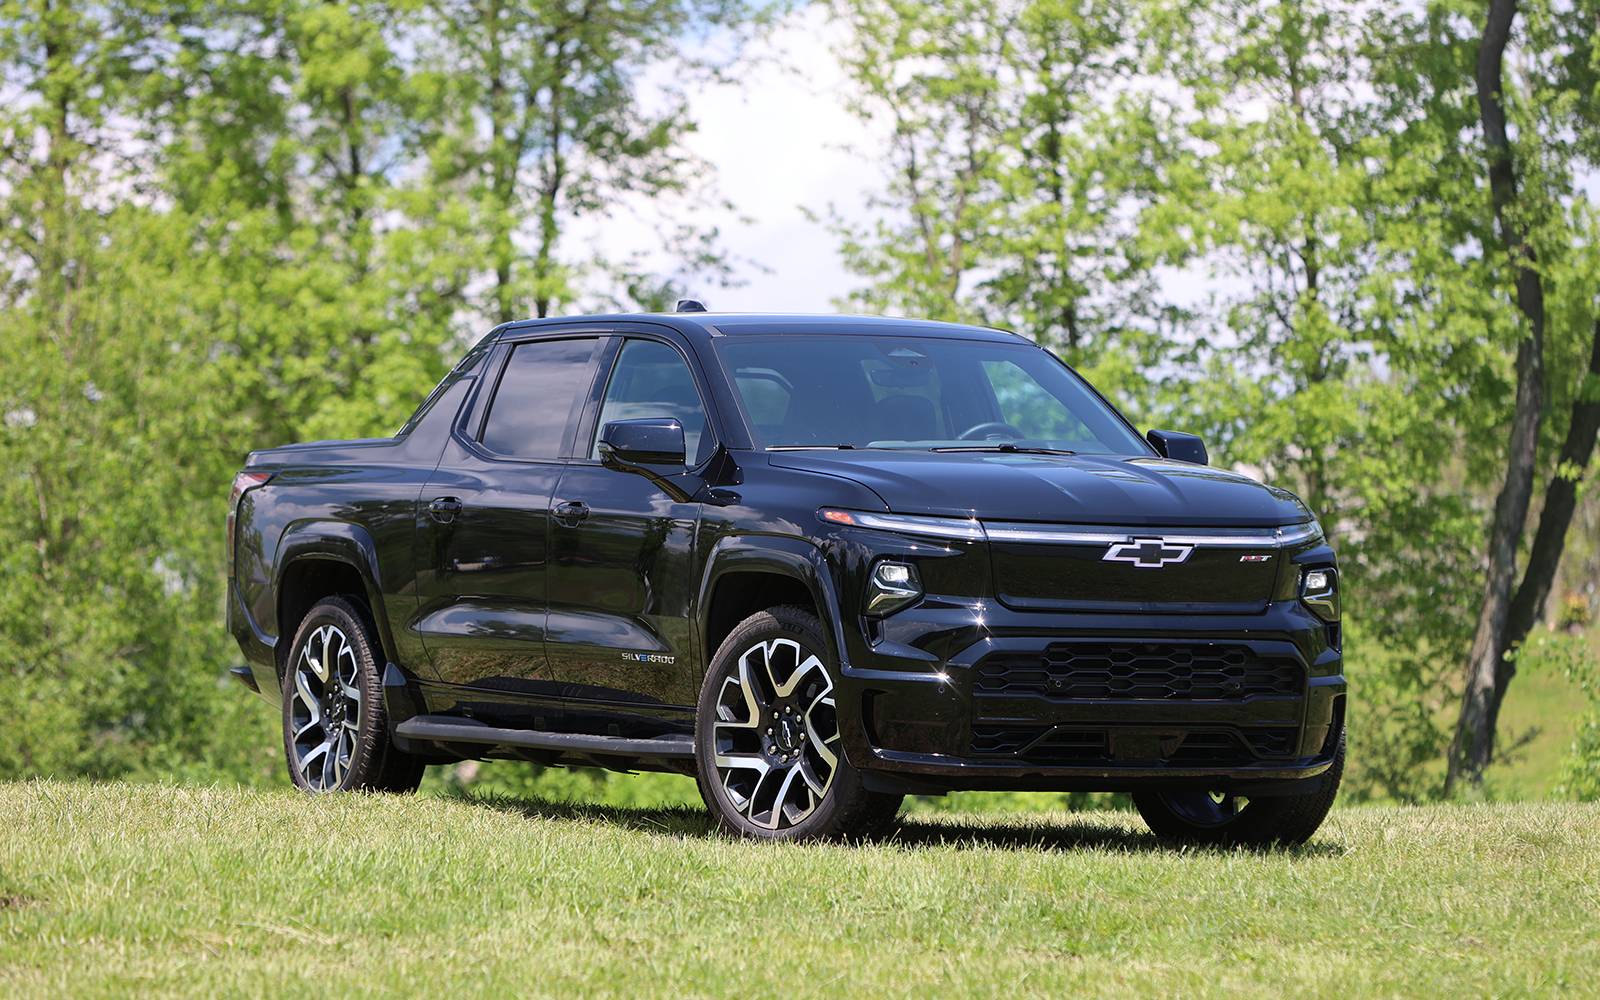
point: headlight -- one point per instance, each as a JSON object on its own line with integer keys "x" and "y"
{"x": 1319, "y": 589}
{"x": 964, "y": 528}
{"x": 892, "y": 585}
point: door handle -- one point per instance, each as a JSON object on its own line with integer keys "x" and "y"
{"x": 444, "y": 509}
{"x": 571, "y": 511}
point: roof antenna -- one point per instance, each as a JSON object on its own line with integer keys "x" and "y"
{"x": 690, "y": 306}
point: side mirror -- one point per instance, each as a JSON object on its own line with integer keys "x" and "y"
{"x": 1179, "y": 446}
{"x": 651, "y": 441}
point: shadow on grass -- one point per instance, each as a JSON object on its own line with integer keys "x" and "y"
{"x": 687, "y": 821}
{"x": 910, "y": 832}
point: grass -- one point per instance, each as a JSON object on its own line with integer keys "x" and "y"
{"x": 151, "y": 890}
{"x": 1540, "y": 715}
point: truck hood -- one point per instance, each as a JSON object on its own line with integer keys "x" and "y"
{"x": 1073, "y": 489}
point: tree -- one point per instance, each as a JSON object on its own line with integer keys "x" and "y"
{"x": 104, "y": 379}
{"x": 228, "y": 226}
{"x": 1316, "y": 167}
{"x": 1543, "y": 228}
{"x": 1016, "y": 163}
{"x": 539, "y": 123}
{"x": 1332, "y": 353}
{"x": 1470, "y": 752}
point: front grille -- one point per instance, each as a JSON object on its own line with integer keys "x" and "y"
{"x": 1063, "y": 746}
{"x": 1143, "y": 671}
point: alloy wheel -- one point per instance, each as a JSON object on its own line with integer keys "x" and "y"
{"x": 325, "y": 709}
{"x": 776, "y": 734}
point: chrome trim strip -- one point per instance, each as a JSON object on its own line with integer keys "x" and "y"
{"x": 1019, "y": 531}
{"x": 999, "y": 531}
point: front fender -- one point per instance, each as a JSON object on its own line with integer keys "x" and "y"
{"x": 797, "y": 558}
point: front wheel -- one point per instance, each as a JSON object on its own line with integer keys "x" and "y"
{"x": 334, "y": 729}
{"x": 768, "y": 756}
{"x": 1223, "y": 819}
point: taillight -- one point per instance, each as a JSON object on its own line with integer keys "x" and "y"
{"x": 243, "y": 483}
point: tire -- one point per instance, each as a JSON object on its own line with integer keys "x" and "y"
{"x": 1200, "y": 818}
{"x": 767, "y": 751}
{"x": 323, "y": 750}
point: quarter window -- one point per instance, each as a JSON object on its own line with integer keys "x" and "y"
{"x": 537, "y": 398}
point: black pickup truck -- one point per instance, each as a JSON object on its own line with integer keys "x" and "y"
{"x": 817, "y": 562}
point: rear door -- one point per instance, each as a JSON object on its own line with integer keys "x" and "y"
{"x": 623, "y": 571}
{"x": 484, "y": 516}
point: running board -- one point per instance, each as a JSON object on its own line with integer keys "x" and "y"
{"x": 450, "y": 729}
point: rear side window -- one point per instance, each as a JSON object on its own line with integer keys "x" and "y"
{"x": 538, "y": 397}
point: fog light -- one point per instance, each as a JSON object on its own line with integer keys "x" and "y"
{"x": 1319, "y": 589}
{"x": 892, "y": 585}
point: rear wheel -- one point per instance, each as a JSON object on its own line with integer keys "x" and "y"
{"x": 335, "y": 735}
{"x": 768, "y": 755}
{"x": 1223, "y": 819}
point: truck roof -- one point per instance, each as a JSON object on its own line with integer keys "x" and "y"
{"x": 723, "y": 324}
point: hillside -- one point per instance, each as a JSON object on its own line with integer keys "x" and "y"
{"x": 120, "y": 889}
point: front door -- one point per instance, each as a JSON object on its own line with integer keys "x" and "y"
{"x": 623, "y": 565}
{"x": 485, "y": 518}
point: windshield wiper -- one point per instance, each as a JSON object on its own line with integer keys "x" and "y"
{"x": 812, "y": 447}
{"x": 1009, "y": 449}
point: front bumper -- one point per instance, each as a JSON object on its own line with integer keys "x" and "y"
{"x": 925, "y": 706}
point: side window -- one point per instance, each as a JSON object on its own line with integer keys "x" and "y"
{"x": 652, "y": 380}
{"x": 538, "y": 395}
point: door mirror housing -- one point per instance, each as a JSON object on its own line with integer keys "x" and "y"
{"x": 1179, "y": 446}
{"x": 650, "y": 441}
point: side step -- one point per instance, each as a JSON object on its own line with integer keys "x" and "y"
{"x": 449, "y": 729}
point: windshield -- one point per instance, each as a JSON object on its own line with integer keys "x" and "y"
{"x": 895, "y": 392}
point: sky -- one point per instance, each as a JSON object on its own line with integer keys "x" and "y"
{"x": 777, "y": 139}
{"x": 781, "y": 141}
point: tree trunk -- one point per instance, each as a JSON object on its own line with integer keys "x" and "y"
{"x": 1560, "y": 500}
{"x": 1473, "y": 746}
{"x": 504, "y": 157}
{"x": 550, "y": 194}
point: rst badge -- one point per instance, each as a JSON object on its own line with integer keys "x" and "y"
{"x": 1148, "y": 553}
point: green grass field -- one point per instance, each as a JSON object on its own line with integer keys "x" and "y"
{"x": 140, "y": 889}
{"x": 1541, "y": 712}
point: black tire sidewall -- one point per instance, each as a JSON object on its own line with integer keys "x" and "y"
{"x": 1279, "y": 820}
{"x": 367, "y": 758}
{"x": 842, "y": 806}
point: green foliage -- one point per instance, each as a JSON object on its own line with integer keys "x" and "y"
{"x": 1575, "y": 656}
{"x": 1012, "y": 159}
{"x": 226, "y": 226}
{"x": 1317, "y": 169}
{"x": 519, "y": 780}
{"x": 232, "y": 226}
{"x": 1582, "y": 778}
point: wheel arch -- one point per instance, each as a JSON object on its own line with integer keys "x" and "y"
{"x": 321, "y": 559}
{"x": 750, "y": 573}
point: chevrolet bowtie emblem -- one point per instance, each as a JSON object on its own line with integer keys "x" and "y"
{"x": 1148, "y": 553}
